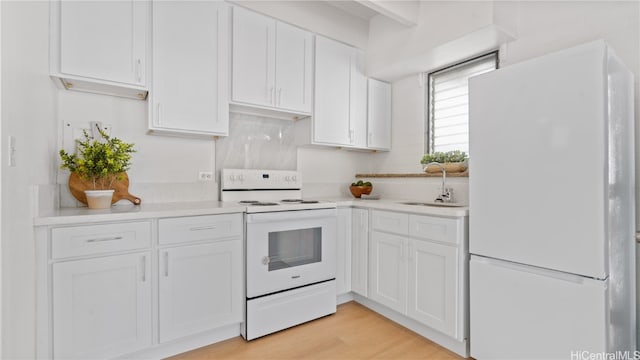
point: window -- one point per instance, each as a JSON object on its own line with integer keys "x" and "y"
{"x": 448, "y": 103}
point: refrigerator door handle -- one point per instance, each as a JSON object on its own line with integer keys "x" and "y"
{"x": 577, "y": 279}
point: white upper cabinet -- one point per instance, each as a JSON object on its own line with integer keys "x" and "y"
{"x": 293, "y": 68}
{"x": 358, "y": 100}
{"x": 189, "y": 93}
{"x": 332, "y": 92}
{"x": 271, "y": 63}
{"x": 345, "y": 112}
{"x": 100, "y": 46}
{"x": 379, "y": 115}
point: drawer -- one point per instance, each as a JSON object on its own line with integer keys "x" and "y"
{"x": 99, "y": 239}
{"x": 434, "y": 228}
{"x": 199, "y": 228}
{"x": 392, "y": 222}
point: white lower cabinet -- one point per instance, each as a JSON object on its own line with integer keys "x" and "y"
{"x": 388, "y": 270}
{"x": 102, "y": 306}
{"x": 200, "y": 288}
{"x": 432, "y": 287}
{"x": 416, "y": 267}
{"x": 145, "y": 289}
{"x": 343, "y": 252}
{"x": 359, "y": 250}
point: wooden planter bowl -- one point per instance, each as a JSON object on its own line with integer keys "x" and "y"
{"x": 357, "y": 191}
{"x": 449, "y": 168}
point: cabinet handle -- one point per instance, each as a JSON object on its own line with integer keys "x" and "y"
{"x": 351, "y": 136}
{"x": 279, "y": 96}
{"x": 144, "y": 268}
{"x": 166, "y": 264}
{"x": 199, "y": 228}
{"x": 113, "y": 238}
{"x": 138, "y": 68}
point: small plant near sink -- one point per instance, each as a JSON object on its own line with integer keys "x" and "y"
{"x": 100, "y": 162}
{"x": 453, "y": 161}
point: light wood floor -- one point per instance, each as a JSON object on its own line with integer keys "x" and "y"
{"x": 354, "y": 332}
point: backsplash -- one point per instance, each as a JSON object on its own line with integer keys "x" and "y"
{"x": 257, "y": 143}
{"x": 149, "y": 193}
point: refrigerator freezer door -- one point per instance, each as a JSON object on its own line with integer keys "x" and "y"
{"x": 538, "y": 162}
{"x": 521, "y": 312}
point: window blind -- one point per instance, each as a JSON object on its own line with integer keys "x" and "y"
{"x": 448, "y": 104}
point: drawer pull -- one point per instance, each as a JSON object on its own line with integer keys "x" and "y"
{"x": 112, "y": 238}
{"x": 199, "y": 228}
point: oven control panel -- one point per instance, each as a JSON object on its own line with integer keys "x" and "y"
{"x": 252, "y": 179}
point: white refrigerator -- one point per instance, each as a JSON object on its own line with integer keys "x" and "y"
{"x": 552, "y": 207}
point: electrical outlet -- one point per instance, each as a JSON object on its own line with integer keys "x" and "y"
{"x": 205, "y": 176}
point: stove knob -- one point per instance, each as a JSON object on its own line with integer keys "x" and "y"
{"x": 287, "y": 178}
{"x": 241, "y": 177}
{"x": 294, "y": 178}
{"x": 232, "y": 177}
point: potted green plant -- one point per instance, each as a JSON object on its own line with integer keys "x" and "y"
{"x": 99, "y": 162}
{"x": 453, "y": 161}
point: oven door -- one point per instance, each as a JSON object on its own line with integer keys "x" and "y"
{"x": 289, "y": 249}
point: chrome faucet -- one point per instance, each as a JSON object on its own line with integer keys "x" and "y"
{"x": 446, "y": 194}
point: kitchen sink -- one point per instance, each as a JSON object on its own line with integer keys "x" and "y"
{"x": 436, "y": 204}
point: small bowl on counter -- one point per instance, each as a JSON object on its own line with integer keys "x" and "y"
{"x": 357, "y": 191}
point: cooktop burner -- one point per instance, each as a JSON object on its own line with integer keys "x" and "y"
{"x": 299, "y": 201}
{"x": 249, "y": 201}
{"x": 263, "y": 204}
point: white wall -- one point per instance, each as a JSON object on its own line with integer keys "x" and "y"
{"x": 438, "y": 23}
{"x": 28, "y": 113}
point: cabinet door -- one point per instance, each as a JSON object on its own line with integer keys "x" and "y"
{"x": 343, "y": 248}
{"x": 253, "y": 58}
{"x": 293, "y": 68}
{"x": 388, "y": 270}
{"x": 104, "y": 40}
{"x": 102, "y": 306}
{"x": 433, "y": 286}
{"x": 379, "y": 115}
{"x": 189, "y": 67}
{"x": 332, "y": 91}
{"x": 359, "y": 250}
{"x": 200, "y": 288}
{"x": 358, "y": 100}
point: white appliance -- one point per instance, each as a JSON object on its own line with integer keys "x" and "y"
{"x": 290, "y": 250}
{"x": 552, "y": 208}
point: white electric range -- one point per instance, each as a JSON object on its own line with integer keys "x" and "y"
{"x": 290, "y": 246}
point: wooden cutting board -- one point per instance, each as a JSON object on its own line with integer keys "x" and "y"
{"x": 77, "y": 186}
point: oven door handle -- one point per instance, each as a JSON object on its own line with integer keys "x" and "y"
{"x": 288, "y": 215}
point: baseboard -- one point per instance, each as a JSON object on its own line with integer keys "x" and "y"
{"x": 459, "y": 347}
{"x": 180, "y": 346}
{"x": 344, "y": 298}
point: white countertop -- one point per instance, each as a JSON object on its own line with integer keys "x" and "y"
{"x": 134, "y": 212}
{"x": 396, "y": 205}
{"x": 67, "y": 216}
